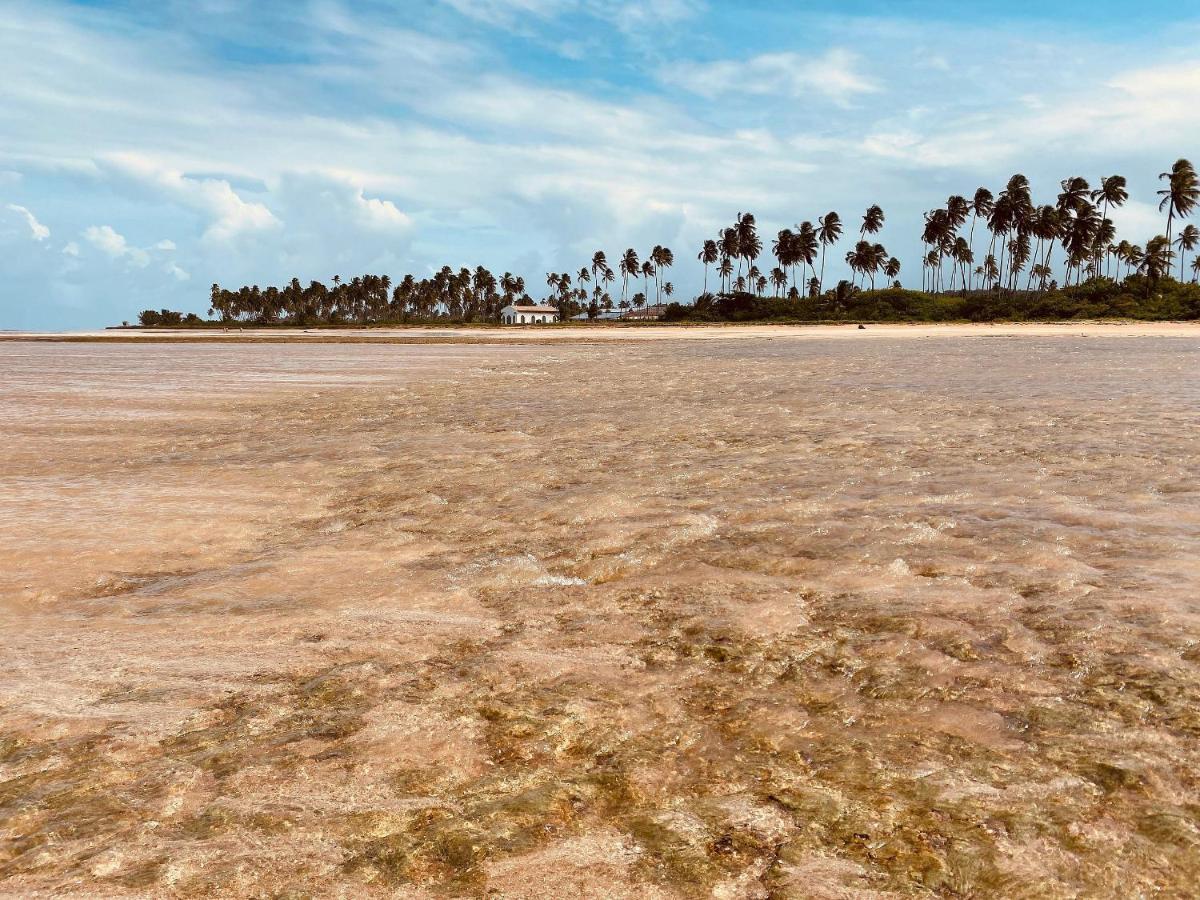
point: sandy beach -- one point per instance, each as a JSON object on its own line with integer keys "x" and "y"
{"x": 608, "y": 332}
{"x": 745, "y": 612}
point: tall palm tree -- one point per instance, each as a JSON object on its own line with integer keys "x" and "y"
{"x": 630, "y": 267}
{"x": 708, "y": 255}
{"x": 829, "y": 232}
{"x": 981, "y": 208}
{"x": 730, "y": 246}
{"x": 1195, "y": 269}
{"x": 663, "y": 259}
{"x": 1112, "y": 192}
{"x": 1189, "y": 238}
{"x": 647, "y": 271}
{"x": 749, "y": 244}
{"x": 806, "y": 248}
{"x": 784, "y": 248}
{"x": 1181, "y": 195}
{"x": 599, "y": 264}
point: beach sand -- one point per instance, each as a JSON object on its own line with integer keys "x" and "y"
{"x": 588, "y": 333}
{"x": 733, "y": 612}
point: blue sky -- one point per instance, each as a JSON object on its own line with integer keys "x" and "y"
{"x": 150, "y": 149}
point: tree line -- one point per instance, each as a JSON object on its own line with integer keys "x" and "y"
{"x": 1017, "y": 256}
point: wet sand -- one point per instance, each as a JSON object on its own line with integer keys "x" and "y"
{"x": 744, "y": 616}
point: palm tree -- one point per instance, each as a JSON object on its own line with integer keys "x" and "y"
{"x": 872, "y": 221}
{"x": 668, "y": 289}
{"x": 1189, "y": 238}
{"x": 663, "y": 258}
{"x": 708, "y": 255}
{"x": 630, "y": 267}
{"x": 726, "y": 270}
{"x": 829, "y": 232}
{"x": 1195, "y": 269}
{"x": 806, "y": 249}
{"x": 1112, "y": 191}
{"x": 963, "y": 257}
{"x": 1157, "y": 259}
{"x": 784, "y": 248}
{"x": 749, "y": 244}
{"x": 599, "y": 265}
{"x": 1181, "y": 195}
{"x": 779, "y": 280}
{"x": 981, "y": 208}
{"x": 937, "y": 234}
{"x": 892, "y": 268}
{"x": 647, "y": 271}
{"x": 1074, "y": 191}
{"x": 730, "y": 247}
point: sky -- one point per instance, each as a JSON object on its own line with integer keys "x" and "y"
{"x": 150, "y": 149}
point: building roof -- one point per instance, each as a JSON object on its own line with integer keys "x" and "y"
{"x": 536, "y": 309}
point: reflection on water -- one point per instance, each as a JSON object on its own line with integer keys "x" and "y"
{"x": 748, "y": 618}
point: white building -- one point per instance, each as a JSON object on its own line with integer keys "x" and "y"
{"x": 528, "y": 315}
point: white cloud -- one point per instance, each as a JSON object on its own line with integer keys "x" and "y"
{"x": 1137, "y": 110}
{"x": 165, "y": 245}
{"x": 230, "y": 214}
{"x": 71, "y": 249}
{"x": 833, "y": 75}
{"x": 37, "y": 230}
{"x": 506, "y": 12}
{"x": 109, "y": 241}
{"x": 178, "y": 273}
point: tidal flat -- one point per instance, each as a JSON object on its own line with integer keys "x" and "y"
{"x": 743, "y": 617}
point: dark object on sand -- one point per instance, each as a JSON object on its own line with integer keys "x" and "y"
{"x": 862, "y": 326}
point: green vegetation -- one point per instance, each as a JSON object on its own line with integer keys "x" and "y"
{"x": 1101, "y": 298}
{"x": 1101, "y": 275}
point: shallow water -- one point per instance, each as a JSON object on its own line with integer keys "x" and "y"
{"x": 742, "y": 618}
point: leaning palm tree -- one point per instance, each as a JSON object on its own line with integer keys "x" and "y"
{"x": 981, "y": 208}
{"x": 647, "y": 273}
{"x": 829, "y": 232}
{"x": 1188, "y": 240}
{"x": 1181, "y": 195}
{"x": 708, "y": 255}
{"x": 872, "y": 221}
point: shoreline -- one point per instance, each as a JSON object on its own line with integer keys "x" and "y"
{"x": 453, "y": 334}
